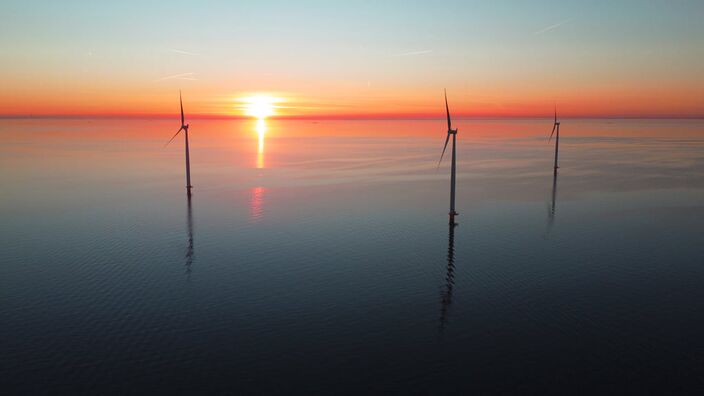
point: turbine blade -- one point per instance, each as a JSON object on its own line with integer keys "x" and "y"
{"x": 174, "y": 136}
{"x": 447, "y": 139}
{"x": 447, "y": 108}
{"x": 556, "y": 113}
{"x": 553, "y": 131}
{"x": 181, "y": 101}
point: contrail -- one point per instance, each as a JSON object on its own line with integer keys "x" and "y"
{"x": 183, "y": 76}
{"x": 413, "y": 53}
{"x": 553, "y": 27}
{"x": 182, "y": 52}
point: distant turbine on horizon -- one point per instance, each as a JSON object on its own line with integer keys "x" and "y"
{"x": 453, "y": 171}
{"x": 184, "y": 127}
{"x": 555, "y": 126}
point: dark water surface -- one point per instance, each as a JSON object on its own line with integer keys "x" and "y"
{"x": 318, "y": 258}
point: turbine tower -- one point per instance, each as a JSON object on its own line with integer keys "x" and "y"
{"x": 184, "y": 127}
{"x": 453, "y": 171}
{"x": 555, "y": 127}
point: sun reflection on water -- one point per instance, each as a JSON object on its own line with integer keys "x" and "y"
{"x": 256, "y": 200}
{"x": 261, "y": 131}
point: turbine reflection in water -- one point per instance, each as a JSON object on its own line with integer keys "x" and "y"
{"x": 446, "y": 296}
{"x": 551, "y": 207}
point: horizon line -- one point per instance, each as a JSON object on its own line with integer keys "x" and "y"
{"x": 360, "y": 117}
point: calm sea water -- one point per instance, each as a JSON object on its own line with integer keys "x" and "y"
{"x": 316, "y": 257}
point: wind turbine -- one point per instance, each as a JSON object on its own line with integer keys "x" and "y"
{"x": 452, "y": 132}
{"x": 184, "y": 127}
{"x": 555, "y": 126}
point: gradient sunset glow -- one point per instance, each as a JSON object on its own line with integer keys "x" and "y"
{"x": 341, "y": 60}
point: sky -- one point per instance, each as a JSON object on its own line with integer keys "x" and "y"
{"x": 353, "y": 59}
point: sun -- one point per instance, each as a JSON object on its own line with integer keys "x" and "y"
{"x": 260, "y": 106}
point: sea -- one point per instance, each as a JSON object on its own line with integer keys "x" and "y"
{"x": 316, "y": 257}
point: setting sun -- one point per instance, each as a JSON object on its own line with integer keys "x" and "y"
{"x": 260, "y": 106}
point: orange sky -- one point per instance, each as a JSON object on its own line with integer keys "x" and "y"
{"x": 589, "y": 102}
